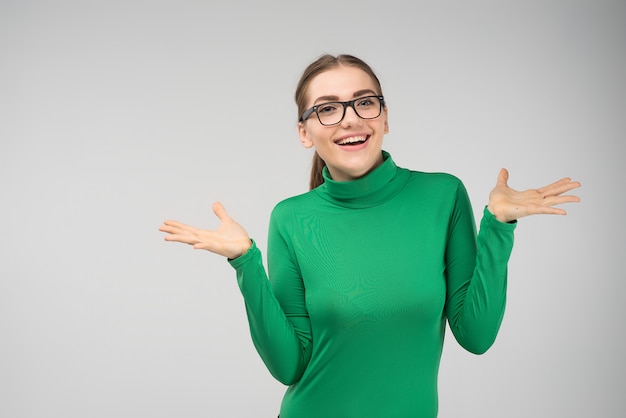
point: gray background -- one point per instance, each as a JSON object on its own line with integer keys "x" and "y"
{"x": 117, "y": 115}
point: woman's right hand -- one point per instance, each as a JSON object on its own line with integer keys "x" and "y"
{"x": 229, "y": 239}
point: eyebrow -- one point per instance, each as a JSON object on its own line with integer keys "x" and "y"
{"x": 356, "y": 94}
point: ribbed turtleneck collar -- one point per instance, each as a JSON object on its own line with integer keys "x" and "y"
{"x": 373, "y": 189}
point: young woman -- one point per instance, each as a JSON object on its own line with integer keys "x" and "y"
{"x": 366, "y": 268}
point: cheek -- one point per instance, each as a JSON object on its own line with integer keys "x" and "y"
{"x": 320, "y": 137}
{"x": 385, "y": 122}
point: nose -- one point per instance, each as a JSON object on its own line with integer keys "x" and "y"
{"x": 351, "y": 118}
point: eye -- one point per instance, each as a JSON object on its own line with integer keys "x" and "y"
{"x": 328, "y": 108}
{"x": 366, "y": 102}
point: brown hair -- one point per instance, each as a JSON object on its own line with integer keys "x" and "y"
{"x": 324, "y": 63}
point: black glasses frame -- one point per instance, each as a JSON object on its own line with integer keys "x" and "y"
{"x": 307, "y": 113}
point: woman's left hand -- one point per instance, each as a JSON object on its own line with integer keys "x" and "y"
{"x": 508, "y": 204}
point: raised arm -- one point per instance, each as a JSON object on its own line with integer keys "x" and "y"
{"x": 477, "y": 271}
{"x": 281, "y": 337}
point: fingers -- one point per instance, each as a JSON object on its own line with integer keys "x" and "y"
{"x": 179, "y": 232}
{"x": 559, "y": 200}
{"x": 174, "y": 224}
{"x": 503, "y": 177}
{"x": 220, "y": 212}
{"x": 175, "y": 227}
{"x": 555, "y": 195}
{"x": 548, "y": 210}
{"x": 559, "y": 187}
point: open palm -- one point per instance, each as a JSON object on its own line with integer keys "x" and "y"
{"x": 508, "y": 204}
{"x": 230, "y": 239}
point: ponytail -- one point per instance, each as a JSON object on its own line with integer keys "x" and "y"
{"x": 316, "y": 171}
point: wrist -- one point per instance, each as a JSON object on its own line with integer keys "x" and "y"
{"x": 499, "y": 214}
{"x": 245, "y": 247}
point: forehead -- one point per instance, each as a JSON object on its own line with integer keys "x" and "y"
{"x": 341, "y": 82}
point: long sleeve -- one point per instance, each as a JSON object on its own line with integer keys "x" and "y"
{"x": 476, "y": 275}
{"x": 279, "y": 325}
{"x": 361, "y": 279}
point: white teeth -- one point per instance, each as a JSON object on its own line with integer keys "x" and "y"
{"x": 351, "y": 140}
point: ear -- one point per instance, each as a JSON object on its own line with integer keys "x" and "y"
{"x": 305, "y": 140}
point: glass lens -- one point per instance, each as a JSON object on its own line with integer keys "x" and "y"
{"x": 330, "y": 113}
{"x": 367, "y": 107}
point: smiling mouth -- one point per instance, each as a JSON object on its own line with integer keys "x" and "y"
{"x": 352, "y": 140}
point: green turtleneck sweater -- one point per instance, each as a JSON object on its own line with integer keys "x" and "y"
{"x": 362, "y": 278}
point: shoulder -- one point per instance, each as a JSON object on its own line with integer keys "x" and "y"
{"x": 287, "y": 207}
{"x": 436, "y": 189}
{"x": 441, "y": 191}
{"x": 433, "y": 180}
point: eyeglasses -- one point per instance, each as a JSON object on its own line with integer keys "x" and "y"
{"x": 331, "y": 113}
